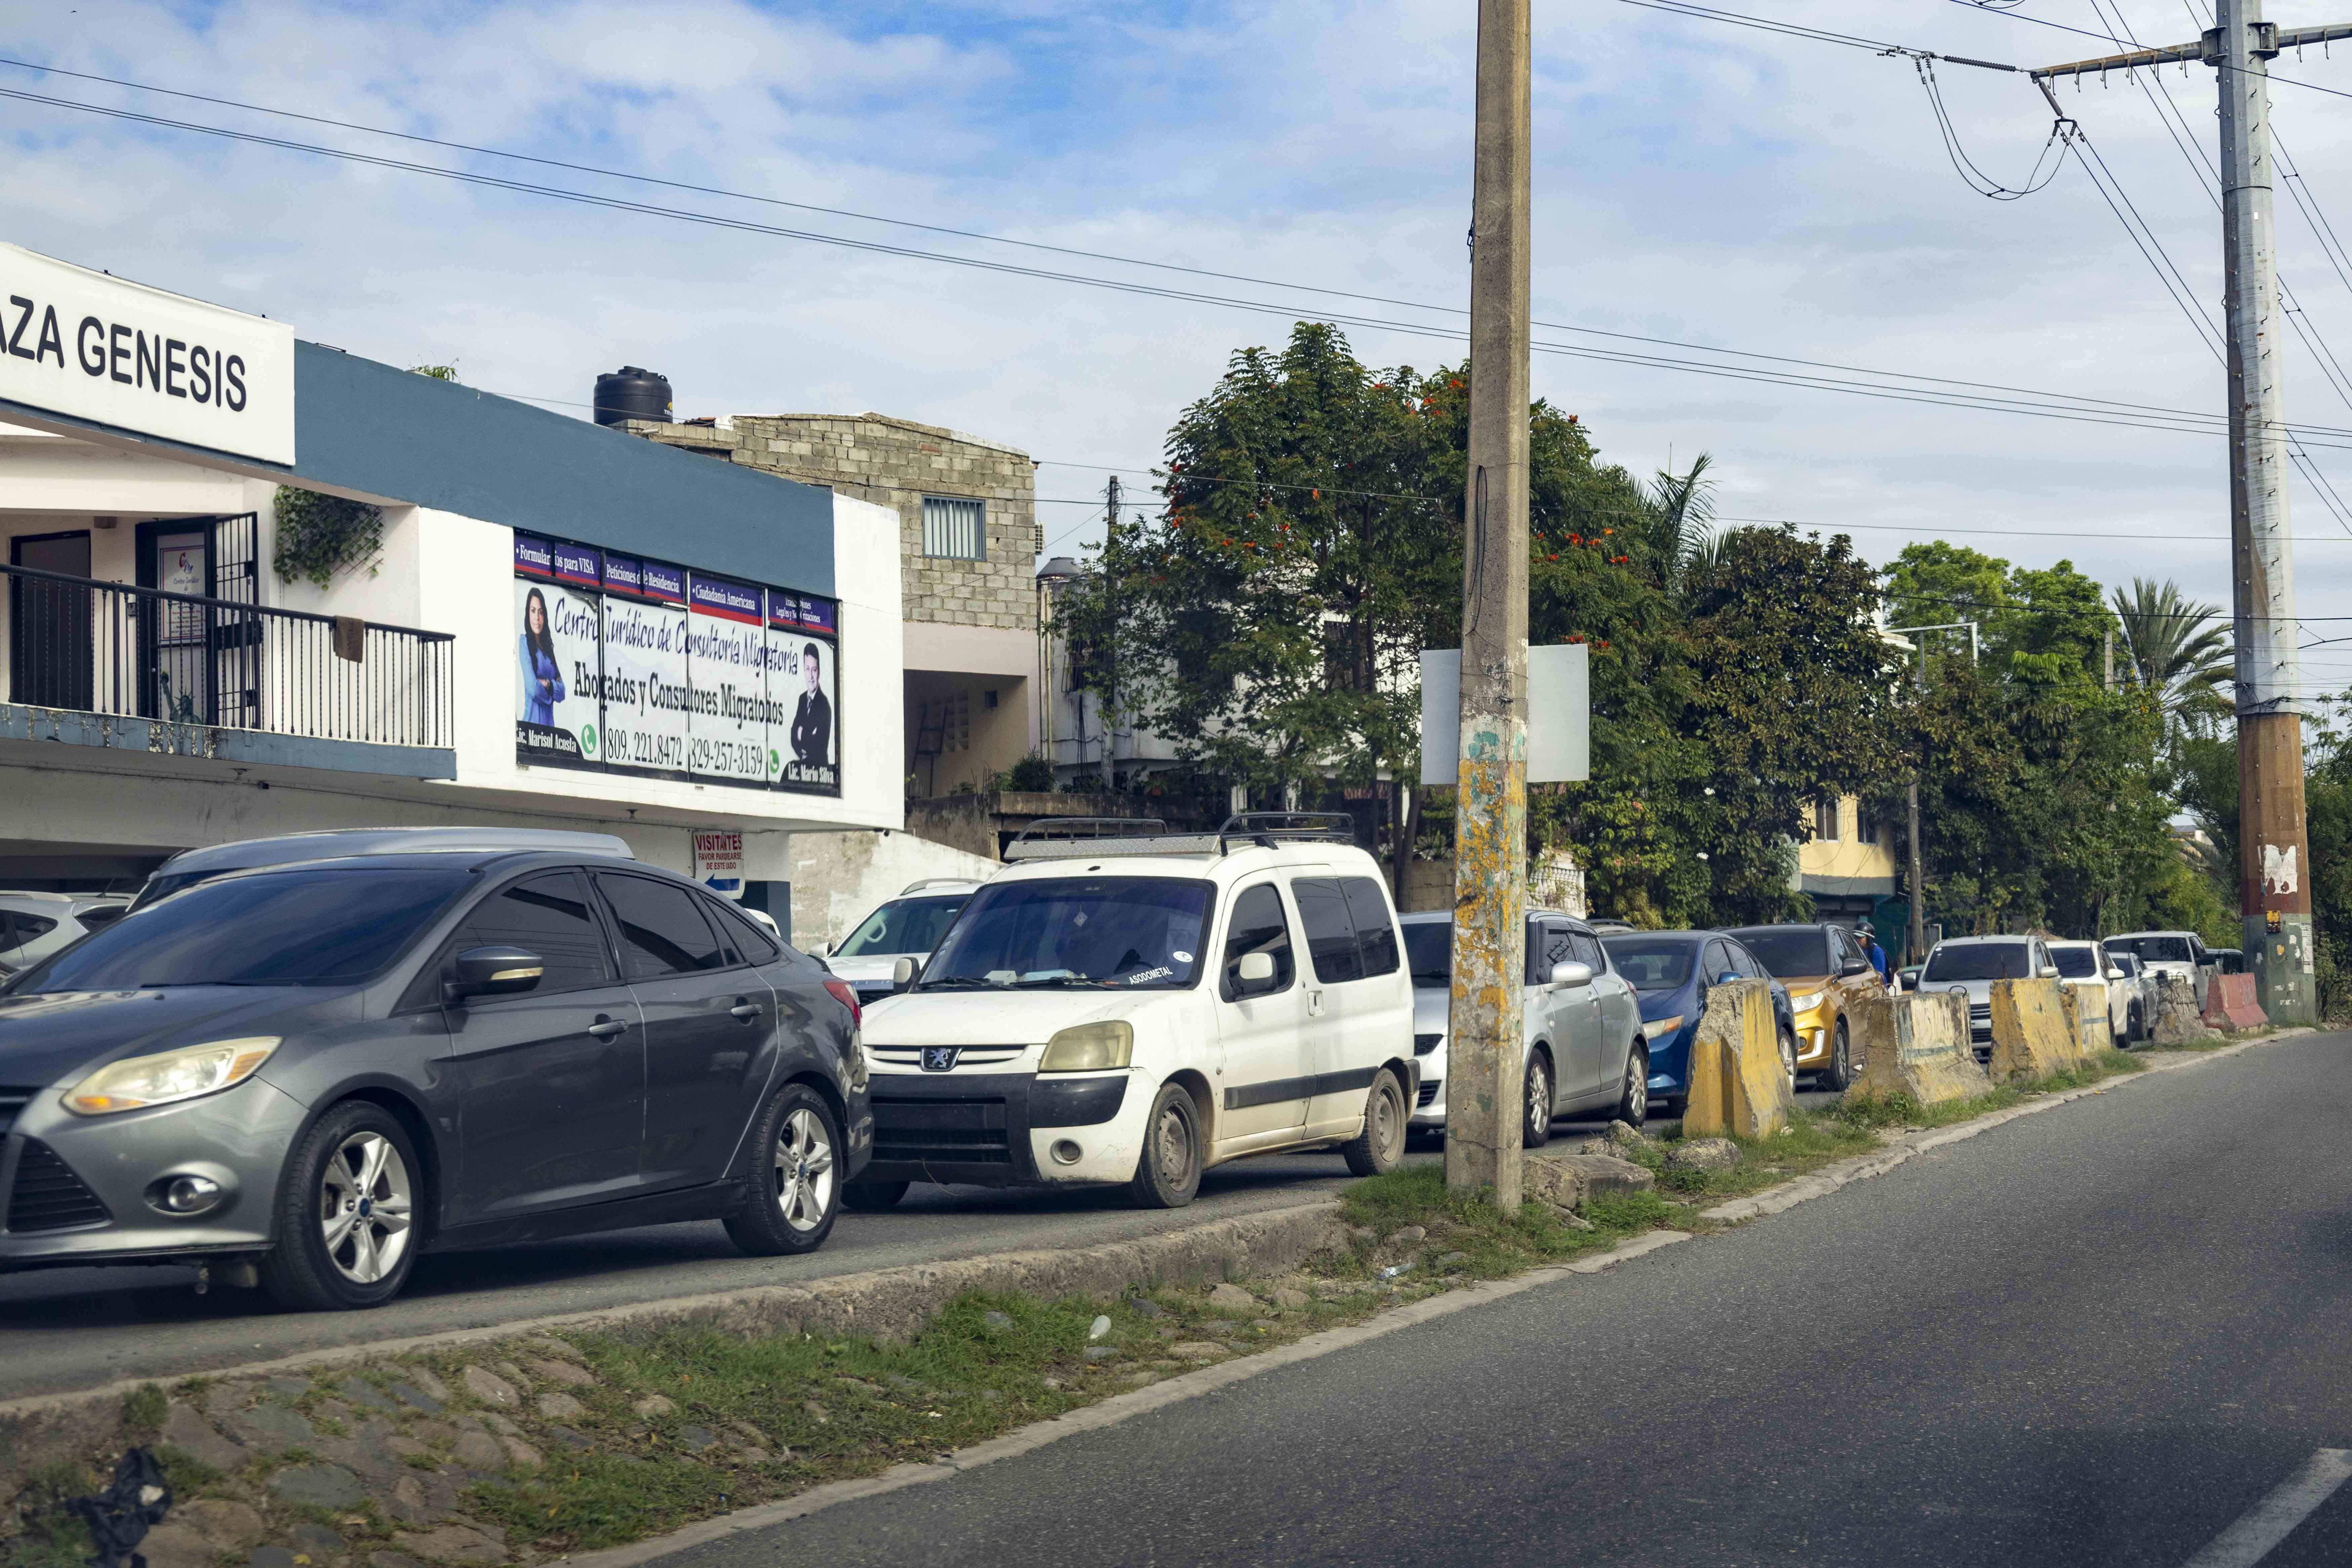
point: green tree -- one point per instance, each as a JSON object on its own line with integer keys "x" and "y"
{"x": 2178, "y": 647}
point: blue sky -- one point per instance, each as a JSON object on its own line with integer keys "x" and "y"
{"x": 1694, "y": 182}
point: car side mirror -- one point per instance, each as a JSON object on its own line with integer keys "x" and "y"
{"x": 1726, "y": 977}
{"x": 902, "y": 974}
{"x": 2049, "y": 972}
{"x": 492, "y": 971}
{"x": 1853, "y": 966}
{"x": 1571, "y": 973}
{"x": 822, "y": 950}
{"x": 1254, "y": 972}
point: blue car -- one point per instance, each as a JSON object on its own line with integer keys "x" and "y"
{"x": 1671, "y": 971}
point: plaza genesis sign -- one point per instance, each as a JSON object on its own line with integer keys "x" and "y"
{"x": 120, "y": 353}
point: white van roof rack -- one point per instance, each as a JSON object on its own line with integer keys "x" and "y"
{"x": 918, "y": 885}
{"x": 1081, "y": 837}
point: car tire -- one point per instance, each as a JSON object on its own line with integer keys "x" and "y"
{"x": 348, "y": 1212}
{"x": 1841, "y": 1074}
{"x": 1168, "y": 1171}
{"x": 1536, "y": 1102}
{"x": 873, "y": 1197}
{"x": 1375, "y": 1150}
{"x": 1788, "y": 1060}
{"x": 1634, "y": 1099}
{"x": 1673, "y": 1106}
{"x": 792, "y": 1194}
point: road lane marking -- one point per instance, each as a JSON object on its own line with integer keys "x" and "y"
{"x": 2274, "y": 1519}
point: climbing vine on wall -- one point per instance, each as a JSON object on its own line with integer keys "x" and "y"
{"x": 319, "y": 535}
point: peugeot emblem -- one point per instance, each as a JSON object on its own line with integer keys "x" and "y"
{"x": 939, "y": 1058}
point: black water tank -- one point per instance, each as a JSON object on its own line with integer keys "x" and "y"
{"x": 630, "y": 393}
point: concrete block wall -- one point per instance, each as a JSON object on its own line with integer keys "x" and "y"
{"x": 896, "y": 463}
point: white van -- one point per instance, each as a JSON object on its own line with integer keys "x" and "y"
{"x": 1137, "y": 1006}
{"x": 908, "y": 926}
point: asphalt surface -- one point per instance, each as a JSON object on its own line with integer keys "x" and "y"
{"x": 79, "y": 1328}
{"x": 2099, "y": 1335}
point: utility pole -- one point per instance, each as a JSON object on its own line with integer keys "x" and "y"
{"x": 2107, "y": 658}
{"x": 1485, "y": 1044}
{"x": 2273, "y": 846}
{"x": 1919, "y": 946}
{"x": 1103, "y": 698}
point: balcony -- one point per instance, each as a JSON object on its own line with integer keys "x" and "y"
{"x": 110, "y": 665}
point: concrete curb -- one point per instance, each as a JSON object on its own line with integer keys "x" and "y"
{"x": 881, "y": 1302}
{"x": 1118, "y": 1408}
{"x": 1909, "y": 1146}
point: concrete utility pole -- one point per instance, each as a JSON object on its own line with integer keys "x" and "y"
{"x": 1103, "y": 699}
{"x": 1484, "y": 1063}
{"x": 2273, "y": 847}
{"x": 1917, "y": 948}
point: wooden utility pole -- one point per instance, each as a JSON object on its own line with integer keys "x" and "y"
{"x": 2273, "y": 846}
{"x": 1485, "y": 1047}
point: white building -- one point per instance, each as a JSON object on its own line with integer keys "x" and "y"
{"x": 562, "y": 626}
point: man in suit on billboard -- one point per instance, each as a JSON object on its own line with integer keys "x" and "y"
{"x": 813, "y": 722}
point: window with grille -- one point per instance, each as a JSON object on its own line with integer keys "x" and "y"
{"x": 955, "y": 527}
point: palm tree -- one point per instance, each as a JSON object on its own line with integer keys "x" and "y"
{"x": 2178, "y": 648}
{"x": 1676, "y": 514}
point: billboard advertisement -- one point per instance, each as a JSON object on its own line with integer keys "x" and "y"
{"x": 559, "y": 666}
{"x": 642, "y": 666}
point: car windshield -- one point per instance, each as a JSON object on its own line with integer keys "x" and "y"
{"x": 1788, "y": 953}
{"x": 1429, "y": 952}
{"x": 2153, "y": 949}
{"x": 310, "y": 927}
{"x": 1980, "y": 961}
{"x": 2076, "y": 962}
{"x": 1649, "y": 963}
{"x": 904, "y": 925}
{"x": 1128, "y": 932}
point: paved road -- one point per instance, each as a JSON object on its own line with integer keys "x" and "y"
{"x": 2099, "y": 1335}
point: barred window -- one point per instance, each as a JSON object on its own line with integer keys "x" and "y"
{"x": 955, "y": 527}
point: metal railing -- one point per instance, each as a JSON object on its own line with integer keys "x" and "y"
{"x": 83, "y": 645}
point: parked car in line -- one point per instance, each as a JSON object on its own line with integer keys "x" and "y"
{"x": 2133, "y": 975}
{"x": 307, "y": 1073}
{"x": 190, "y": 867}
{"x": 1585, "y": 1049}
{"x": 34, "y": 925}
{"x": 2163, "y": 952}
{"x": 1137, "y": 1007}
{"x": 1826, "y": 975}
{"x": 2086, "y": 968}
{"x": 1969, "y": 964}
{"x": 908, "y": 926}
{"x": 2227, "y": 960}
{"x": 1671, "y": 972}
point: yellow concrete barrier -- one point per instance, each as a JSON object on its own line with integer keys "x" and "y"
{"x": 2031, "y": 1036}
{"x": 2086, "y": 1017}
{"x": 1737, "y": 1084}
{"x": 1918, "y": 1044}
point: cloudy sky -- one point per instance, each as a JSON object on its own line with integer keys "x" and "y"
{"x": 1695, "y": 182}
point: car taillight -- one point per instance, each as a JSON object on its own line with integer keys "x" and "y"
{"x": 847, "y": 998}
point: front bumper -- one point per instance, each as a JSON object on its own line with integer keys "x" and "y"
{"x": 1816, "y": 1031}
{"x": 999, "y": 1129}
{"x": 74, "y": 1190}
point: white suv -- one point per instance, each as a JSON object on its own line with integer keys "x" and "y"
{"x": 1140, "y": 1007}
{"x": 2090, "y": 971}
{"x": 1969, "y": 964}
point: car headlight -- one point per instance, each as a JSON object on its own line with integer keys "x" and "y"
{"x": 137, "y": 1082}
{"x": 1659, "y": 1028}
{"x": 1090, "y": 1047}
{"x": 1808, "y": 1002}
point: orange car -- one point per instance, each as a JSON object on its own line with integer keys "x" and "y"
{"x": 1826, "y": 975}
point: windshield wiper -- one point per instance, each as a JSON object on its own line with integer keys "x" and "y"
{"x": 946, "y": 981}
{"x": 1056, "y": 980}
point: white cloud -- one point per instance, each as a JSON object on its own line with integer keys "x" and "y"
{"x": 1694, "y": 182}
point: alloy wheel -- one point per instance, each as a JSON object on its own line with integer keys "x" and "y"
{"x": 1789, "y": 1060}
{"x": 1538, "y": 1102}
{"x": 804, "y": 1173}
{"x": 1637, "y": 1088}
{"x": 365, "y": 1199}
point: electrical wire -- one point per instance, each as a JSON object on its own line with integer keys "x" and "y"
{"x": 1066, "y": 250}
{"x": 2110, "y": 38}
{"x": 1976, "y": 179}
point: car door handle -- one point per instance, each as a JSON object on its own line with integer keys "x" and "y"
{"x": 1314, "y": 1003}
{"x": 604, "y": 1028}
{"x": 744, "y": 1010}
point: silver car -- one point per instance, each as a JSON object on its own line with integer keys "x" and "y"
{"x": 1586, "y": 1051}
{"x": 908, "y": 926}
{"x": 35, "y": 925}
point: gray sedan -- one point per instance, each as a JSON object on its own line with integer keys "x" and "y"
{"x": 303, "y": 1076}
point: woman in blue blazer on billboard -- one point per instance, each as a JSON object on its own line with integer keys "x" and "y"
{"x": 542, "y": 676}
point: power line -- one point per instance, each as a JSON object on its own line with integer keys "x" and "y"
{"x": 1936, "y": 390}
